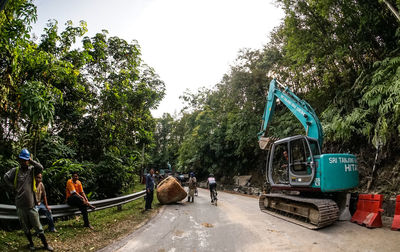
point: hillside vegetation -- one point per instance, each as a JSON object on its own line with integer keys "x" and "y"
{"x": 76, "y": 102}
{"x": 342, "y": 57}
{"x": 83, "y": 103}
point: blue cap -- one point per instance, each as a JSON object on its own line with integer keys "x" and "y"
{"x": 24, "y": 154}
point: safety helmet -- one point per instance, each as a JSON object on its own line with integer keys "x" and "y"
{"x": 211, "y": 175}
{"x": 192, "y": 174}
{"x": 24, "y": 154}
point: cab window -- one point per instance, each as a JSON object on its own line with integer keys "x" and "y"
{"x": 314, "y": 147}
{"x": 280, "y": 164}
{"x": 300, "y": 156}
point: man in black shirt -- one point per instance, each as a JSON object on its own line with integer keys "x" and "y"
{"x": 149, "y": 189}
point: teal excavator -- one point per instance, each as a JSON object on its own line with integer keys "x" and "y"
{"x": 306, "y": 186}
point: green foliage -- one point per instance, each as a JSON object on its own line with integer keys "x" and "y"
{"x": 166, "y": 143}
{"x": 336, "y": 51}
{"x": 75, "y": 107}
{"x": 6, "y": 193}
{"x": 55, "y": 179}
{"x": 53, "y": 148}
{"x": 217, "y": 128}
{"x": 112, "y": 177}
{"x": 341, "y": 57}
{"x": 88, "y": 107}
{"x": 37, "y": 103}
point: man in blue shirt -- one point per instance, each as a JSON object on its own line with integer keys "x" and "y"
{"x": 149, "y": 189}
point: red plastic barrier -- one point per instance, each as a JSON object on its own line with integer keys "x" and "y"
{"x": 396, "y": 218}
{"x": 369, "y": 209}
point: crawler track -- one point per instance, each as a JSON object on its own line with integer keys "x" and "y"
{"x": 307, "y": 212}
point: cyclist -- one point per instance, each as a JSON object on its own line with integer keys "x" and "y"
{"x": 212, "y": 185}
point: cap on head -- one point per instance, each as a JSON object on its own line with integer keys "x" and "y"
{"x": 211, "y": 175}
{"x": 24, "y": 154}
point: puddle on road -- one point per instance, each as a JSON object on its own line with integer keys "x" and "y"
{"x": 179, "y": 233}
{"x": 207, "y": 224}
{"x": 272, "y": 230}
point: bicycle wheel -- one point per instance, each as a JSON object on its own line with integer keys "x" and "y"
{"x": 215, "y": 197}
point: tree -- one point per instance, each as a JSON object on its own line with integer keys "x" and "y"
{"x": 85, "y": 106}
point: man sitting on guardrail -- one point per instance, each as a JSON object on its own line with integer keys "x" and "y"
{"x": 76, "y": 197}
{"x": 23, "y": 181}
{"x": 41, "y": 199}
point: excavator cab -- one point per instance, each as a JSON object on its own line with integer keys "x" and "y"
{"x": 291, "y": 161}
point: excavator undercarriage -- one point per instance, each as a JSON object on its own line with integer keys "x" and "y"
{"x": 308, "y": 212}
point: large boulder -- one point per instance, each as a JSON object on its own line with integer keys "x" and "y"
{"x": 170, "y": 191}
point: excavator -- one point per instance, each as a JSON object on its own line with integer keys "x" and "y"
{"x": 307, "y": 186}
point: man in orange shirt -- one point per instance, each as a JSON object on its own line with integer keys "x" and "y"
{"x": 76, "y": 197}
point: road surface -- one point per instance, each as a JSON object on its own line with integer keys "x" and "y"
{"x": 237, "y": 224}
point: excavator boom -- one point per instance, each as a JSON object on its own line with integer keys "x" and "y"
{"x": 300, "y": 108}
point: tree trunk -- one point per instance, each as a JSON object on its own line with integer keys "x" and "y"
{"x": 393, "y": 10}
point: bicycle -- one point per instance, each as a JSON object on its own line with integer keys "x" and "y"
{"x": 214, "y": 197}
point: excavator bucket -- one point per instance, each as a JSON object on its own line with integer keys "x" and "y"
{"x": 265, "y": 143}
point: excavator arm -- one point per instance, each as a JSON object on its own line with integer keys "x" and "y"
{"x": 300, "y": 109}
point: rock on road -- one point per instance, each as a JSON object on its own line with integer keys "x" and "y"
{"x": 237, "y": 224}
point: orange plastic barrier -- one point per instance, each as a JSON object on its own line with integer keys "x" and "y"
{"x": 396, "y": 217}
{"x": 369, "y": 209}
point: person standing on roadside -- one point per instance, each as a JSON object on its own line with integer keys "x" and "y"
{"x": 192, "y": 186}
{"x": 76, "y": 197}
{"x": 149, "y": 189}
{"x": 41, "y": 202}
{"x": 22, "y": 179}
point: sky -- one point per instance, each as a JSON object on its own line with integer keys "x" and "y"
{"x": 189, "y": 43}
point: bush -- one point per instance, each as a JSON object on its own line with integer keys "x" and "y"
{"x": 56, "y": 177}
{"x": 52, "y": 148}
{"x": 113, "y": 177}
{"x": 6, "y": 193}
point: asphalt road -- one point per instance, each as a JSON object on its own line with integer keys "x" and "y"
{"x": 237, "y": 224}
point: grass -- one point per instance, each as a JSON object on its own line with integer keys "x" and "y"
{"x": 109, "y": 225}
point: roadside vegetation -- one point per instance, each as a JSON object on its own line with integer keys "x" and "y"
{"x": 81, "y": 103}
{"x": 109, "y": 226}
{"x": 76, "y": 102}
{"x": 342, "y": 57}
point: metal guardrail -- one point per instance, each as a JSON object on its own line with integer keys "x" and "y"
{"x": 9, "y": 212}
